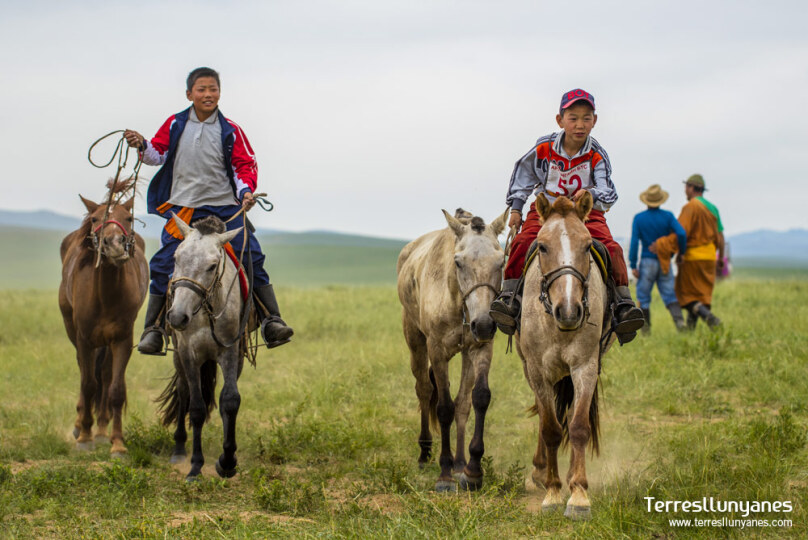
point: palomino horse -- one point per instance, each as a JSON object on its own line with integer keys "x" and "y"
{"x": 104, "y": 279}
{"x": 204, "y": 310}
{"x": 564, "y": 317}
{"x": 447, "y": 279}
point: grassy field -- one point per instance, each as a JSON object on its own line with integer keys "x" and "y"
{"x": 328, "y": 427}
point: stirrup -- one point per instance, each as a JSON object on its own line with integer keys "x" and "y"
{"x": 163, "y": 340}
{"x": 277, "y": 342}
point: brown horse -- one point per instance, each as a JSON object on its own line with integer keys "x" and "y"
{"x": 565, "y": 318}
{"x": 446, "y": 281}
{"x": 104, "y": 279}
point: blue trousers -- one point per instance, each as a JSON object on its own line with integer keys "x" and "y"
{"x": 650, "y": 274}
{"x": 161, "y": 265}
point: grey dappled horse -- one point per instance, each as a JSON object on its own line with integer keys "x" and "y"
{"x": 564, "y": 317}
{"x": 447, "y": 280}
{"x": 204, "y": 310}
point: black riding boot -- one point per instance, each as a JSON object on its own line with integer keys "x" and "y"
{"x": 629, "y": 316}
{"x": 151, "y": 342}
{"x": 646, "y": 314}
{"x": 506, "y": 307}
{"x": 274, "y": 331}
{"x": 676, "y": 313}
{"x": 701, "y": 310}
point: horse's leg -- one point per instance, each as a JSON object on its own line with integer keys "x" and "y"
{"x": 550, "y": 436}
{"x": 229, "y": 402}
{"x": 472, "y": 477}
{"x": 462, "y": 408}
{"x": 539, "y": 461}
{"x": 103, "y": 377}
{"x": 197, "y": 413}
{"x": 183, "y": 403}
{"x": 419, "y": 364}
{"x": 121, "y": 351}
{"x": 585, "y": 380}
{"x": 86, "y": 360}
{"x": 445, "y": 411}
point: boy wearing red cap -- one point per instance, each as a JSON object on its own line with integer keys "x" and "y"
{"x": 565, "y": 164}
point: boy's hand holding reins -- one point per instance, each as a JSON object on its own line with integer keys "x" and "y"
{"x": 134, "y": 139}
{"x": 248, "y": 201}
{"x": 516, "y": 220}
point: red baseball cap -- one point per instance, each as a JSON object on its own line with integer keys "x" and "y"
{"x": 576, "y": 95}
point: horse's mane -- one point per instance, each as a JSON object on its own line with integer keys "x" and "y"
{"x": 562, "y": 206}
{"x": 465, "y": 217}
{"x": 210, "y": 225}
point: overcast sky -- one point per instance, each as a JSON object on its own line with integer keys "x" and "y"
{"x": 370, "y": 116}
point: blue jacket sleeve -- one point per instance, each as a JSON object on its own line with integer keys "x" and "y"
{"x": 635, "y": 241}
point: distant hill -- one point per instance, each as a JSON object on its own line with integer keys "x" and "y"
{"x": 47, "y": 220}
{"x": 766, "y": 244}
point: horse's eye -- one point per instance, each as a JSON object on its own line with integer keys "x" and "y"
{"x": 211, "y": 268}
{"x": 130, "y": 219}
{"x": 542, "y": 248}
{"x": 458, "y": 263}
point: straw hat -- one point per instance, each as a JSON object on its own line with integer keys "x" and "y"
{"x": 654, "y": 196}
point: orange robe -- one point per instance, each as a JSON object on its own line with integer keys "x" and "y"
{"x": 696, "y": 277}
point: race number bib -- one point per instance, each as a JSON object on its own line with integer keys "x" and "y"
{"x": 566, "y": 183}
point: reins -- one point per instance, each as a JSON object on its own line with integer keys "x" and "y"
{"x": 123, "y": 157}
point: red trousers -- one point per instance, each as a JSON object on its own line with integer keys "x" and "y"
{"x": 596, "y": 224}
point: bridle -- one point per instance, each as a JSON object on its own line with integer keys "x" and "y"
{"x": 129, "y": 243}
{"x": 207, "y": 294}
{"x": 549, "y": 278}
{"x": 464, "y": 308}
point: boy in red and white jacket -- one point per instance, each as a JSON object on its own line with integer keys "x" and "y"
{"x": 208, "y": 168}
{"x": 565, "y": 164}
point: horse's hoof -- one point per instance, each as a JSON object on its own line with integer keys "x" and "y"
{"x": 193, "y": 479}
{"x": 101, "y": 439}
{"x": 177, "y": 458}
{"x": 224, "y": 473}
{"x": 85, "y": 446}
{"x": 470, "y": 483}
{"x": 578, "y": 513}
{"x": 446, "y": 486}
{"x": 76, "y": 432}
{"x": 117, "y": 455}
{"x": 422, "y": 464}
{"x": 550, "y": 508}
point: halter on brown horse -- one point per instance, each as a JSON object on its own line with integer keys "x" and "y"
{"x": 104, "y": 280}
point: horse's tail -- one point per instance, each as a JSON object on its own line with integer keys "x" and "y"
{"x": 168, "y": 403}
{"x": 98, "y": 373}
{"x": 564, "y": 395}
{"x": 433, "y": 403}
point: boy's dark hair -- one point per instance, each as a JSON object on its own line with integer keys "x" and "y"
{"x": 201, "y": 72}
{"x": 579, "y": 102}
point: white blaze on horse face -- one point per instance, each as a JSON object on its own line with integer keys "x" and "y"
{"x": 558, "y": 228}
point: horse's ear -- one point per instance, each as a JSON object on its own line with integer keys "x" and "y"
{"x": 129, "y": 204}
{"x": 584, "y": 205}
{"x": 226, "y": 237}
{"x": 89, "y": 205}
{"x": 498, "y": 225}
{"x": 454, "y": 224}
{"x": 543, "y": 206}
{"x": 184, "y": 228}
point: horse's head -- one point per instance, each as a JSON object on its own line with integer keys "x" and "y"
{"x": 478, "y": 260}
{"x": 563, "y": 252}
{"x": 198, "y": 267}
{"x": 111, "y": 229}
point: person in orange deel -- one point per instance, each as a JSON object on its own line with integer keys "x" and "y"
{"x": 697, "y": 266}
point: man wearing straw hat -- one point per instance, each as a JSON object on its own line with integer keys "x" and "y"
{"x": 648, "y": 226}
